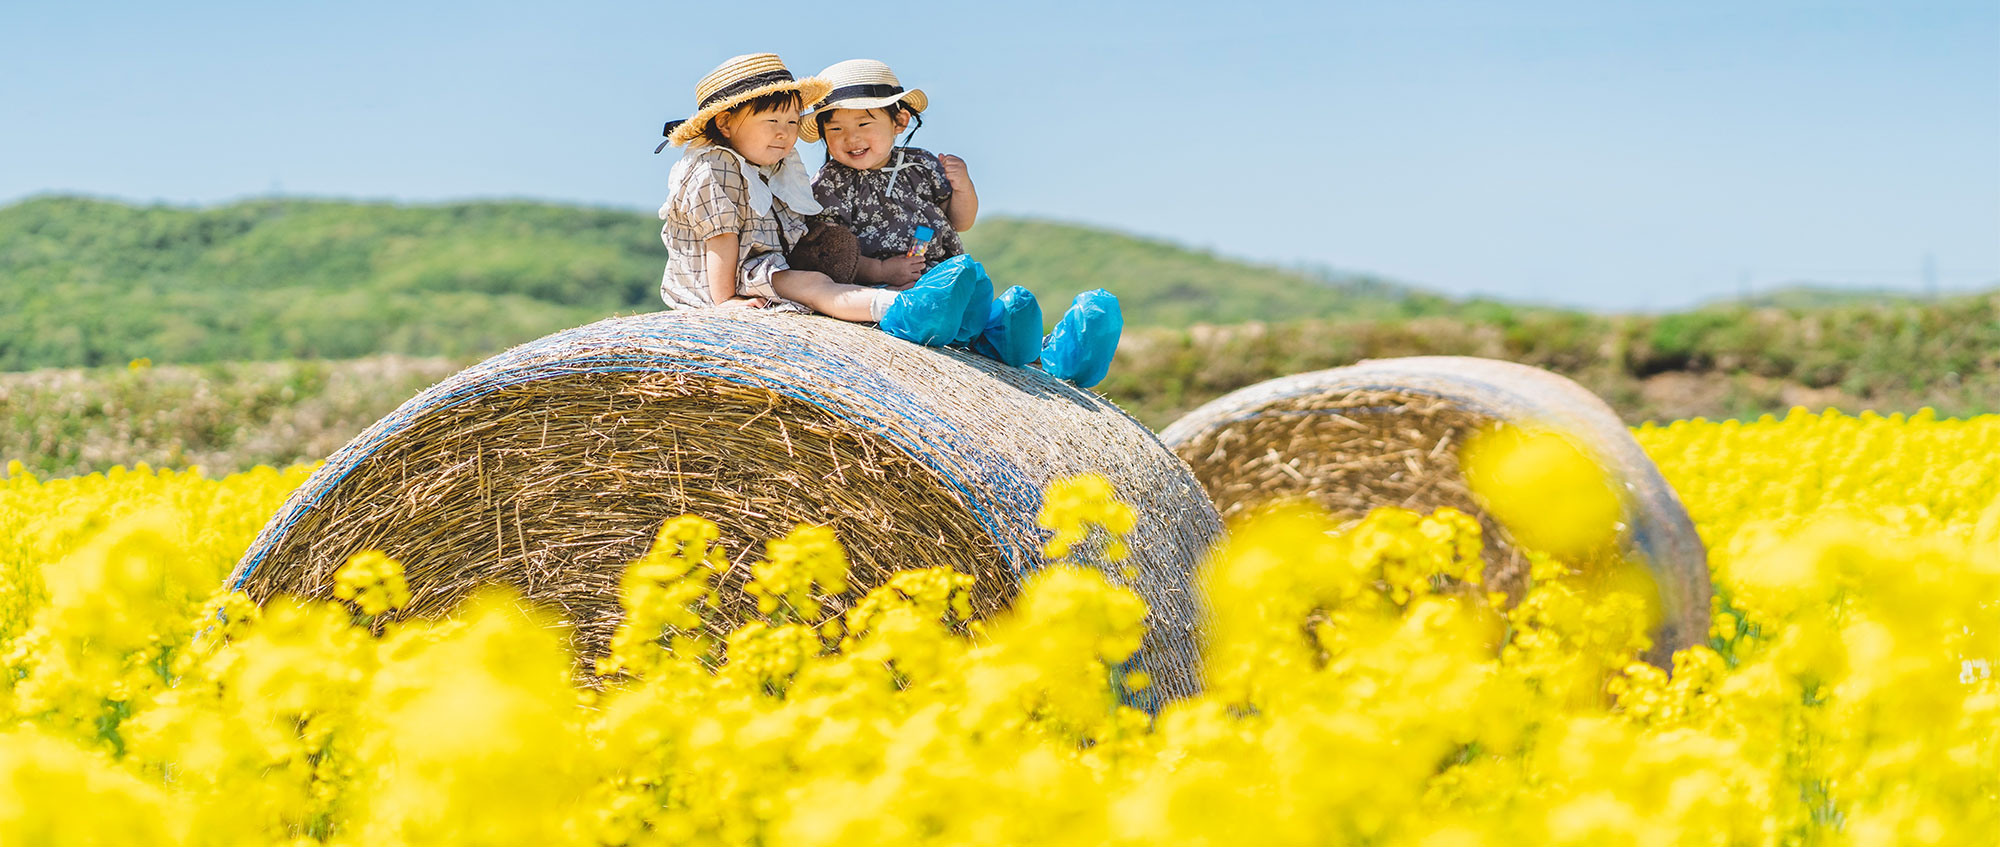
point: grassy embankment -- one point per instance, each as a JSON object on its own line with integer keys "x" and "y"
{"x": 1714, "y": 363}
{"x": 1717, "y": 362}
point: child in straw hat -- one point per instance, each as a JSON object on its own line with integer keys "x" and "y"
{"x": 738, "y": 199}
{"x": 906, "y": 207}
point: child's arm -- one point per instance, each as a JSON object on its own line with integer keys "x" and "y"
{"x": 721, "y": 265}
{"x": 963, "y": 207}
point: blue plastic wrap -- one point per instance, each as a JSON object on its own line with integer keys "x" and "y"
{"x": 1013, "y": 328}
{"x": 1081, "y": 347}
{"x": 932, "y": 312}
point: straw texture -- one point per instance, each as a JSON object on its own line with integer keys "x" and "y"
{"x": 811, "y": 90}
{"x": 1387, "y": 433}
{"x": 551, "y": 466}
{"x": 840, "y": 75}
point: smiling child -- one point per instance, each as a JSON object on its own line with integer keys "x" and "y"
{"x": 906, "y": 207}
{"x": 738, "y": 199}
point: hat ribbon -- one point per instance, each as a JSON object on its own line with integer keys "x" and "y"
{"x": 877, "y": 89}
{"x": 748, "y": 83}
{"x": 865, "y": 90}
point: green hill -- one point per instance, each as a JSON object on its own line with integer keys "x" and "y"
{"x": 93, "y": 282}
{"x": 1162, "y": 284}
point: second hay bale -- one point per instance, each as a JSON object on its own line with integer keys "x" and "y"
{"x": 1388, "y": 433}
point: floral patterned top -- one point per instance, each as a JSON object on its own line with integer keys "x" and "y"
{"x": 885, "y": 206}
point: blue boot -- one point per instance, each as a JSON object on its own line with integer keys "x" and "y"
{"x": 1080, "y": 348}
{"x": 1013, "y": 333}
{"x": 977, "y": 306}
{"x": 931, "y": 311}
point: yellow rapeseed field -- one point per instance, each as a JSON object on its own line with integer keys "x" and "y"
{"x": 1360, "y": 687}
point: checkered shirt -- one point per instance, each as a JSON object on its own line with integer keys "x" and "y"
{"x": 714, "y": 199}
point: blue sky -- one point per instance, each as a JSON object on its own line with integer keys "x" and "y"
{"x": 1610, "y": 154}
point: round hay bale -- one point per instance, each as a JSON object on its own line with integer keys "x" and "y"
{"x": 1387, "y": 433}
{"x": 551, "y": 466}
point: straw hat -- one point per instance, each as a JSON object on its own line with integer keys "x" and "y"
{"x": 861, "y": 84}
{"x": 738, "y": 81}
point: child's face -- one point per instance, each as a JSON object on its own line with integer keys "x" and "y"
{"x": 764, "y": 138}
{"x": 862, "y": 138}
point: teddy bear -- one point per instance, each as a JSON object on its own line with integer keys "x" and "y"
{"x": 828, "y": 248}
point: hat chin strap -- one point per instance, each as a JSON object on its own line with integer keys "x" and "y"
{"x": 896, "y": 170}
{"x": 669, "y": 133}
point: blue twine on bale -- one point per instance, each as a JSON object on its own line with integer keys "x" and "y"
{"x": 992, "y": 435}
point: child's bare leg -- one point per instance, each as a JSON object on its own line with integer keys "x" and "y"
{"x": 933, "y": 312}
{"x": 819, "y": 291}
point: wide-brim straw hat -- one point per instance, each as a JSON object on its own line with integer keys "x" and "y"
{"x": 861, "y": 84}
{"x": 738, "y": 81}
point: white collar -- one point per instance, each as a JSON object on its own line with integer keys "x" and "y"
{"x": 789, "y": 183}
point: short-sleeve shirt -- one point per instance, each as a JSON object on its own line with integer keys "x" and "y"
{"x": 885, "y": 206}
{"x": 714, "y": 199}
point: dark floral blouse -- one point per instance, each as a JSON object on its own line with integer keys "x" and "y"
{"x": 885, "y": 206}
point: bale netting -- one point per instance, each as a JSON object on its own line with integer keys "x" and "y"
{"x": 1388, "y": 432}
{"x": 551, "y": 467}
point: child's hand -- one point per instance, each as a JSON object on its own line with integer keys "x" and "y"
{"x": 900, "y": 272}
{"x": 963, "y": 207}
{"x": 743, "y": 303}
{"x": 955, "y": 172}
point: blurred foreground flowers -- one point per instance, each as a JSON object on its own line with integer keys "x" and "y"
{"x": 1362, "y": 686}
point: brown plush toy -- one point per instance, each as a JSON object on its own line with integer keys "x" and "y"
{"x": 828, "y": 248}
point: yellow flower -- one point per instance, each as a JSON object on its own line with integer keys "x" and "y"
{"x": 807, "y": 558}
{"x": 1078, "y": 507}
{"x": 1545, "y": 487}
{"x": 1361, "y": 684}
{"x": 373, "y": 582}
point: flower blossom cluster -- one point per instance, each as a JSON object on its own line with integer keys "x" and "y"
{"x": 1361, "y": 686}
